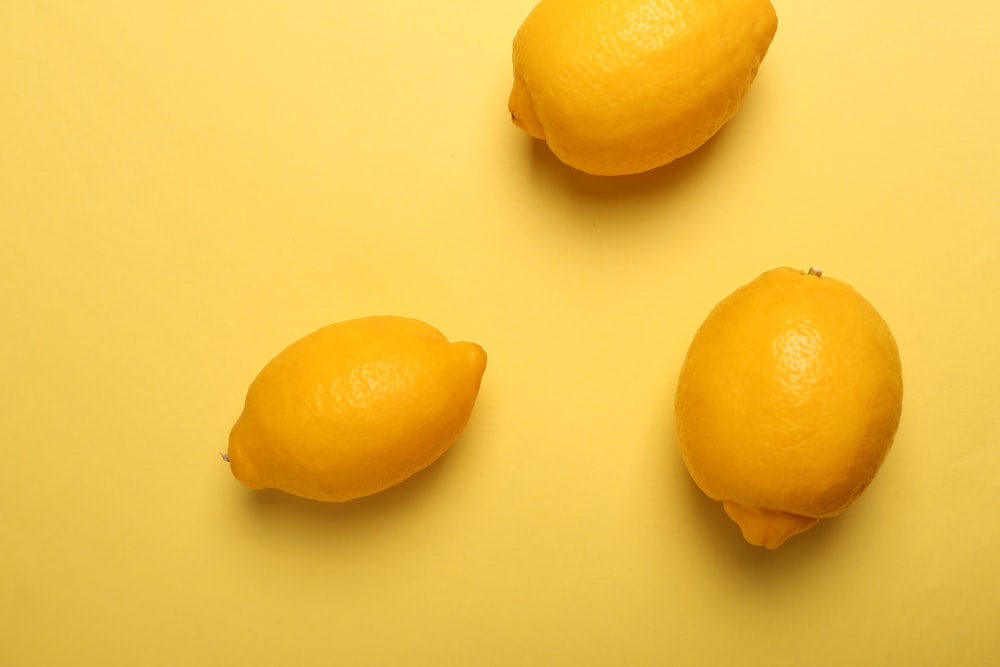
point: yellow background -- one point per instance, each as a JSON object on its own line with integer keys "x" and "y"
{"x": 186, "y": 187}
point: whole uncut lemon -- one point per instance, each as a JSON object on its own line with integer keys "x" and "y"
{"x": 354, "y": 408}
{"x": 788, "y": 401}
{"x": 623, "y": 86}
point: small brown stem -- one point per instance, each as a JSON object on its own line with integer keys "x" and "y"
{"x": 815, "y": 271}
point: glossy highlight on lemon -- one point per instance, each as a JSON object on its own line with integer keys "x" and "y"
{"x": 788, "y": 402}
{"x": 354, "y": 408}
{"x": 623, "y": 86}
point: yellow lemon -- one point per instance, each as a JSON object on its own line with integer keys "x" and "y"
{"x": 354, "y": 408}
{"x": 623, "y": 86}
{"x": 788, "y": 401}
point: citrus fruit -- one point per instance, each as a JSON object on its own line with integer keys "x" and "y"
{"x": 788, "y": 401}
{"x": 623, "y": 86}
{"x": 354, "y": 408}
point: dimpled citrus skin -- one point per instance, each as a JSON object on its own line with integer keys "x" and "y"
{"x": 355, "y": 408}
{"x": 788, "y": 401}
{"x": 622, "y": 86}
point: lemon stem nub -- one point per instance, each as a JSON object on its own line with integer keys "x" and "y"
{"x": 815, "y": 271}
{"x": 225, "y": 457}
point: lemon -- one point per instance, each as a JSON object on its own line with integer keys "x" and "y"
{"x": 788, "y": 402}
{"x": 354, "y": 408}
{"x": 623, "y": 86}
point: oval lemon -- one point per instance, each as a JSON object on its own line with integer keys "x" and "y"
{"x": 355, "y": 408}
{"x": 623, "y": 86}
{"x": 788, "y": 401}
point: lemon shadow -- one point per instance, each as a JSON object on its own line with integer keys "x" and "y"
{"x": 277, "y": 510}
{"x": 722, "y": 538}
{"x": 719, "y": 537}
{"x": 551, "y": 173}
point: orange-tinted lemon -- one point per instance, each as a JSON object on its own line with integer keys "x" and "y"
{"x": 623, "y": 86}
{"x": 788, "y": 401}
{"x": 355, "y": 408}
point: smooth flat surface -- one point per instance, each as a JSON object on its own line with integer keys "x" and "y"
{"x": 187, "y": 187}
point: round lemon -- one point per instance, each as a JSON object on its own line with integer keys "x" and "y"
{"x": 788, "y": 401}
{"x": 354, "y": 408}
{"x": 623, "y": 86}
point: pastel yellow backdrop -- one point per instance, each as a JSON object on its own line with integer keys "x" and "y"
{"x": 186, "y": 187}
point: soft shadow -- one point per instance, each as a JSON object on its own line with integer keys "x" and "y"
{"x": 723, "y": 541}
{"x": 719, "y": 538}
{"x": 276, "y": 511}
{"x": 548, "y": 170}
{"x": 273, "y": 507}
